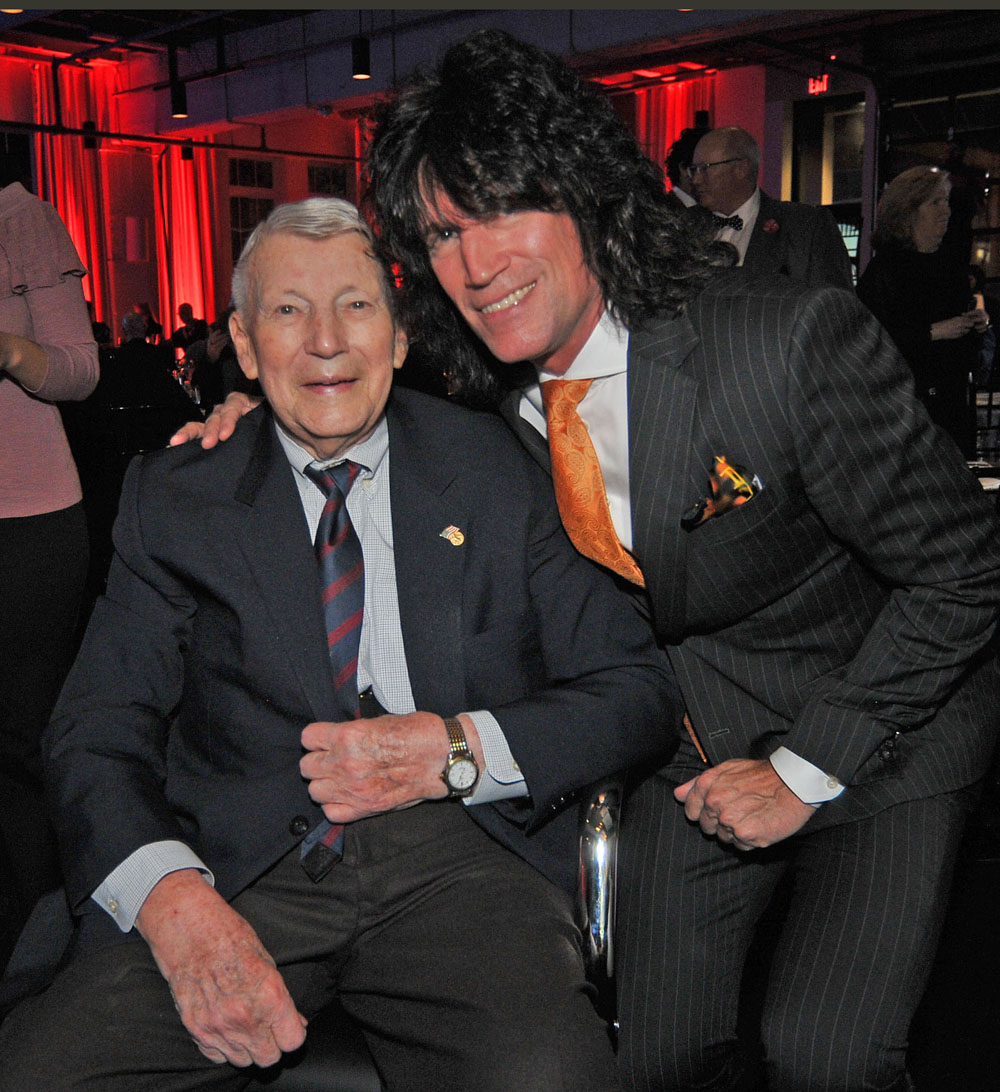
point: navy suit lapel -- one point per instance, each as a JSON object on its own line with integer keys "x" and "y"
{"x": 429, "y": 567}
{"x": 278, "y": 553}
{"x": 533, "y": 440}
{"x": 662, "y": 403}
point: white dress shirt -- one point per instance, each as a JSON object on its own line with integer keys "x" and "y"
{"x": 748, "y": 212}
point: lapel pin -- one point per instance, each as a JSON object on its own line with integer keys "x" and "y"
{"x": 453, "y": 535}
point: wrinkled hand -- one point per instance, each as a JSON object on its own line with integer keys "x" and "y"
{"x": 228, "y": 992}
{"x": 743, "y": 803}
{"x": 357, "y": 768}
{"x": 219, "y": 425}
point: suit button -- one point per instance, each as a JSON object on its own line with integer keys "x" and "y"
{"x": 299, "y": 825}
{"x": 887, "y": 750}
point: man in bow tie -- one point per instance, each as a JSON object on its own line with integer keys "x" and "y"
{"x": 281, "y": 776}
{"x": 770, "y": 236}
{"x": 748, "y": 456}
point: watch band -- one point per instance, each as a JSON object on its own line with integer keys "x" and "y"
{"x": 456, "y": 734}
{"x": 461, "y": 771}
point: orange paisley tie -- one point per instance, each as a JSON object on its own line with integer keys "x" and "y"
{"x": 579, "y": 484}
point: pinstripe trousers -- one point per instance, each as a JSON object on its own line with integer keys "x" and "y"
{"x": 855, "y": 947}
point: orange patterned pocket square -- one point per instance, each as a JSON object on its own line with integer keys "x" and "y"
{"x": 731, "y": 485}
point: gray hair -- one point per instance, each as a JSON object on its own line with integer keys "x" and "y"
{"x": 133, "y": 325}
{"x": 740, "y": 143}
{"x": 313, "y": 218}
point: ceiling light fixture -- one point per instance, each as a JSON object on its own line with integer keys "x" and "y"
{"x": 361, "y": 65}
{"x": 178, "y": 90}
{"x": 178, "y": 100}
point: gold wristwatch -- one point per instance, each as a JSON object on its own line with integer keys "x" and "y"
{"x": 460, "y": 773}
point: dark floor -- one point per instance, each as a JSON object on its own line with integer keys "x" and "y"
{"x": 955, "y": 1037}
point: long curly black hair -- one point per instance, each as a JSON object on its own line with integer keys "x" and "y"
{"x": 501, "y": 126}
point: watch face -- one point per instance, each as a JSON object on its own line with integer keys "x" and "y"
{"x": 462, "y": 774}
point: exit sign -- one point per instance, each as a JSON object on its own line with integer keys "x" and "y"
{"x": 819, "y": 85}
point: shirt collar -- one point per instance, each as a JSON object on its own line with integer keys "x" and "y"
{"x": 750, "y": 207}
{"x": 369, "y": 453}
{"x": 604, "y": 353}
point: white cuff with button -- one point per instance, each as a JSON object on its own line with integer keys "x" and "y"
{"x": 809, "y": 783}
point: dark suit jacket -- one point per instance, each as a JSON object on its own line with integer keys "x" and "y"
{"x": 843, "y": 603}
{"x": 206, "y": 658}
{"x": 799, "y": 241}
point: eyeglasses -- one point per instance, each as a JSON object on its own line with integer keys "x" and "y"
{"x": 698, "y": 168}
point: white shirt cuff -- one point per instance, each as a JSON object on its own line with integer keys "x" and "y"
{"x": 502, "y": 779}
{"x": 809, "y": 783}
{"x": 124, "y": 891}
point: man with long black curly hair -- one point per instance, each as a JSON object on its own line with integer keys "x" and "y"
{"x": 821, "y": 567}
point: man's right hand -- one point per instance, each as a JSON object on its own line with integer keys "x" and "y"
{"x": 220, "y": 423}
{"x": 230, "y": 996}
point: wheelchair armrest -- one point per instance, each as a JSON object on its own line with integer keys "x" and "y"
{"x": 599, "y": 823}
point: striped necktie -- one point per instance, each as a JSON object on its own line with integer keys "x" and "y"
{"x": 342, "y": 579}
{"x": 579, "y": 484}
{"x": 342, "y": 584}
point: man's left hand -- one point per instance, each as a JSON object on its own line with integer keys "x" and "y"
{"x": 743, "y": 803}
{"x": 358, "y": 768}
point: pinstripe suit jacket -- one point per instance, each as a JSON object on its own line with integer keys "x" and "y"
{"x": 845, "y": 609}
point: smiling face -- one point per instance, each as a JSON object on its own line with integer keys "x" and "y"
{"x": 519, "y": 280}
{"x": 930, "y": 221}
{"x": 320, "y": 337}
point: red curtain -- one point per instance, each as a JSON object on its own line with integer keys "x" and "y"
{"x": 185, "y": 232}
{"x": 663, "y": 111}
{"x": 70, "y": 176}
{"x": 73, "y": 179}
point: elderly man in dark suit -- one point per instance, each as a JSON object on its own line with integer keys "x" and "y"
{"x": 770, "y": 236}
{"x": 208, "y": 734}
{"x": 822, "y": 569}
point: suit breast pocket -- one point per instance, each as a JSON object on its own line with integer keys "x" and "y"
{"x": 752, "y": 556}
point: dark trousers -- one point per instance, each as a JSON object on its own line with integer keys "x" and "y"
{"x": 461, "y": 963}
{"x": 867, "y": 901}
{"x": 43, "y": 565}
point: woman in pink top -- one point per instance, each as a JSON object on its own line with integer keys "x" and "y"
{"x": 47, "y": 354}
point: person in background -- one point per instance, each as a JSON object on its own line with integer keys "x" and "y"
{"x": 136, "y": 405}
{"x": 191, "y": 329}
{"x": 154, "y": 329}
{"x": 986, "y": 377}
{"x": 770, "y": 236}
{"x": 678, "y": 160}
{"x": 47, "y": 355}
{"x": 216, "y": 371}
{"x": 102, "y": 335}
{"x": 922, "y": 297}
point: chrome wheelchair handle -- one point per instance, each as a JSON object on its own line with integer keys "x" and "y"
{"x": 599, "y": 823}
